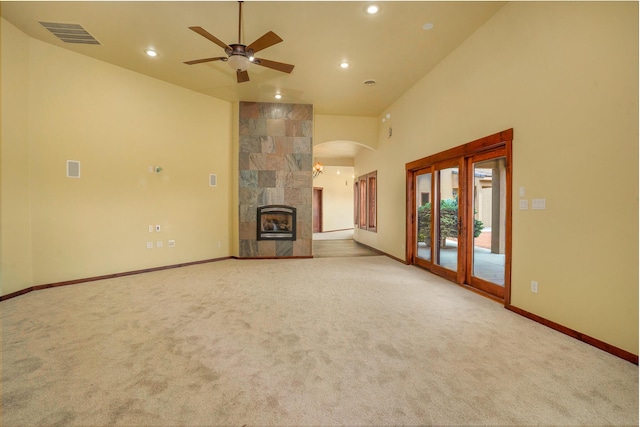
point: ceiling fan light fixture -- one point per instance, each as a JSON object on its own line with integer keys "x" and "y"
{"x": 240, "y": 56}
{"x": 238, "y": 62}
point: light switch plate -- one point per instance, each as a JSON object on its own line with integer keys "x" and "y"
{"x": 521, "y": 191}
{"x": 539, "y": 204}
{"x": 524, "y": 204}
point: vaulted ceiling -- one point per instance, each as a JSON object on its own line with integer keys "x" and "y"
{"x": 392, "y": 47}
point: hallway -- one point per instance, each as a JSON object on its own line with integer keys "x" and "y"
{"x": 339, "y": 244}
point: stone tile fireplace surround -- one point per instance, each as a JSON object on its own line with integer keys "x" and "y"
{"x": 275, "y": 162}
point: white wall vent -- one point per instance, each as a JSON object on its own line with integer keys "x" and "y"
{"x": 73, "y": 169}
{"x": 213, "y": 180}
{"x": 70, "y": 33}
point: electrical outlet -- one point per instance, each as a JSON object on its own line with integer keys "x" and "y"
{"x": 149, "y": 245}
{"x": 534, "y": 286}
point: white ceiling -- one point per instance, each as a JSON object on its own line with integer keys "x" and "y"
{"x": 390, "y": 47}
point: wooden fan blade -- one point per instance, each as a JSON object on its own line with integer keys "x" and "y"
{"x": 280, "y": 66}
{"x": 264, "y": 42}
{"x": 200, "y": 61}
{"x": 243, "y": 76}
{"x": 204, "y": 33}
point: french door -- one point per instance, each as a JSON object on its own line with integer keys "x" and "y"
{"x": 459, "y": 214}
{"x": 488, "y": 237}
{"x": 437, "y": 212}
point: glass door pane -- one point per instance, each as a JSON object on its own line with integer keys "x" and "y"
{"x": 423, "y": 216}
{"x": 489, "y": 214}
{"x": 446, "y": 212}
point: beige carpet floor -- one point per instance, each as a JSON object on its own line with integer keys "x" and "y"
{"x": 325, "y": 341}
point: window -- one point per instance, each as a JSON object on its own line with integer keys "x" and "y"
{"x": 372, "y": 218}
{"x": 356, "y": 203}
{"x": 365, "y": 202}
{"x": 362, "y": 181}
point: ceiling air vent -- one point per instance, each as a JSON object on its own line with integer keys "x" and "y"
{"x": 70, "y": 33}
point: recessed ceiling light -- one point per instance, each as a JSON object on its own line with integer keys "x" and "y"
{"x": 152, "y": 53}
{"x": 427, "y": 26}
{"x": 344, "y": 64}
{"x": 373, "y": 9}
{"x": 277, "y": 96}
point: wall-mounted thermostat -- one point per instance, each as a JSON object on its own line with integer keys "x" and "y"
{"x": 73, "y": 169}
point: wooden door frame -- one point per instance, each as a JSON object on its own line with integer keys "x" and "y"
{"x": 433, "y": 265}
{"x": 477, "y": 282}
{"x": 500, "y": 140}
{"x": 320, "y": 225}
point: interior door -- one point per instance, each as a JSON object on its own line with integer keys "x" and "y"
{"x": 317, "y": 210}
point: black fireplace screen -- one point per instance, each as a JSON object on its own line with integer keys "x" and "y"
{"x": 276, "y": 222}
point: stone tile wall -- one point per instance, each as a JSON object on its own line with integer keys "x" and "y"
{"x": 275, "y": 162}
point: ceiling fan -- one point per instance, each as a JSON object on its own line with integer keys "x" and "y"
{"x": 239, "y": 56}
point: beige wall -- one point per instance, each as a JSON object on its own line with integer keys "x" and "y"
{"x": 564, "y": 76}
{"x": 337, "y": 189}
{"x": 234, "y": 210}
{"x": 362, "y": 130}
{"x": 15, "y": 211}
{"x": 116, "y": 123}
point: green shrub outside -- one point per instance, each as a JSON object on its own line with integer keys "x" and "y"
{"x": 448, "y": 222}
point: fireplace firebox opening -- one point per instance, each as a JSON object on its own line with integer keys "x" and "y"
{"x": 276, "y": 222}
